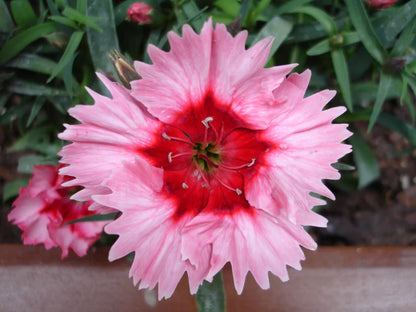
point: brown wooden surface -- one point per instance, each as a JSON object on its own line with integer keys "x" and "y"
{"x": 333, "y": 279}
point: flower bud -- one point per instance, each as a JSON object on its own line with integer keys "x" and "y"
{"x": 124, "y": 68}
{"x": 139, "y": 12}
{"x": 381, "y": 4}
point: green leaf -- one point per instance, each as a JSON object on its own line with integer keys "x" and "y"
{"x": 76, "y": 16}
{"x": 23, "y": 13}
{"x": 279, "y": 28}
{"x": 26, "y": 37}
{"x": 231, "y": 7}
{"x": 69, "y": 53}
{"x": 194, "y": 14}
{"x": 405, "y": 39}
{"x": 397, "y": 125}
{"x": 343, "y": 166}
{"x": 319, "y": 48}
{"x": 324, "y": 46}
{"x": 6, "y": 22}
{"x": 96, "y": 217}
{"x": 343, "y": 76}
{"x": 210, "y": 296}
{"x": 40, "y": 100}
{"x": 36, "y": 63}
{"x": 365, "y": 30}
{"x": 366, "y": 162}
{"x": 11, "y": 189}
{"x": 389, "y": 25}
{"x": 321, "y": 16}
{"x": 244, "y": 10}
{"x": 32, "y": 88}
{"x": 27, "y": 162}
{"x": 290, "y": 6}
{"x": 82, "y": 6}
{"x": 64, "y": 21}
{"x": 100, "y": 44}
{"x": 386, "y": 82}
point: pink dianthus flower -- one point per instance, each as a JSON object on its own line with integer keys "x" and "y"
{"x": 210, "y": 158}
{"x": 43, "y": 209}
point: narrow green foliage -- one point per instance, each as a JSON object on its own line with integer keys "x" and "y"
{"x": 244, "y": 10}
{"x": 365, "y": 30}
{"x": 23, "y": 39}
{"x": 31, "y": 88}
{"x": 291, "y": 6}
{"x": 37, "y": 105}
{"x": 6, "y": 22}
{"x": 69, "y": 53}
{"x": 321, "y": 16}
{"x": 325, "y": 45}
{"x": 393, "y": 22}
{"x": 405, "y": 39}
{"x": 27, "y": 162}
{"x": 211, "y": 296}
{"x": 343, "y": 76}
{"x": 64, "y": 21}
{"x": 367, "y": 165}
{"x": 397, "y": 125}
{"x": 11, "y": 189}
{"x": 386, "y": 81}
{"x": 95, "y": 218}
{"x": 78, "y": 17}
{"x": 278, "y": 28}
{"x": 100, "y": 44}
{"x": 23, "y": 13}
{"x": 194, "y": 15}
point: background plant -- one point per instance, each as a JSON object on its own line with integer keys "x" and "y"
{"x": 51, "y": 49}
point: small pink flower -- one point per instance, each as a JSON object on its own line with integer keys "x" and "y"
{"x": 381, "y": 4}
{"x": 43, "y": 209}
{"x": 211, "y": 158}
{"x": 139, "y": 12}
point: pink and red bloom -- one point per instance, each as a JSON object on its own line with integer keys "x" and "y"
{"x": 381, "y": 4}
{"x": 43, "y": 209}
{"x": 210, "y": 157}
{"x": 139, "y": 12}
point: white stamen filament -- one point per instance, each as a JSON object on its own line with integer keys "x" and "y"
{"x": 184, "y": 185}
{"x": 237, "y": 190}
{"x": 165, "y": 136}
{"x": 253, "y": 161}
{"x": 171, "y": 156}
{"x": 206, "y": 121}
{"x": 169, "y": 138}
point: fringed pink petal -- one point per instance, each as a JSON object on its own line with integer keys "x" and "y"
{"x": 255, "y": 242}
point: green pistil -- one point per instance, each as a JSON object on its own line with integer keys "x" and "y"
{"x": 207, "y": 158}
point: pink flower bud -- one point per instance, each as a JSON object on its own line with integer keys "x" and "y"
{"x": 381, "y": 4}
{"x": 139, "y": 12}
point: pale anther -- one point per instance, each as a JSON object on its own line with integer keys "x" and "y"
{"x": 252, "y": 162}
{"x": 170, "y": 157}
{"x": 238, "y": 191}
{"x": 164, "y": 135}
{"x": 184, "y": 185}
{"x": 206, "y": 121}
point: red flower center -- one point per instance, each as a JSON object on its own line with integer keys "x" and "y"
{"x": 207, "y": 154}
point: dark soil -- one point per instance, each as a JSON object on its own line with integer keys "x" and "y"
{"x": 383, "y": 213}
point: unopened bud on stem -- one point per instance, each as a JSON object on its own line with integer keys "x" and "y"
{"x": 124, "y": 68}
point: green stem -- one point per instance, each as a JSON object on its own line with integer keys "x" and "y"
{"x": 211, "y": 296}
